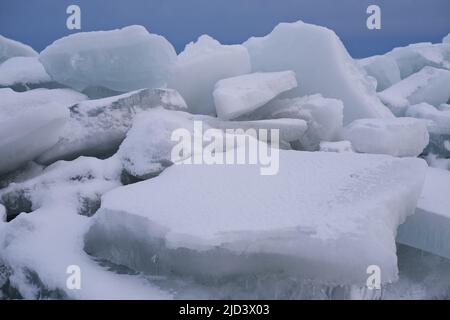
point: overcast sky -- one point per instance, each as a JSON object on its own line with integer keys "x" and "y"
{"x": 40, "y": 22}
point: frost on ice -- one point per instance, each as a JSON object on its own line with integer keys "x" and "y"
{"x": 322, "y": 65}
{"x": 120, "y": 60}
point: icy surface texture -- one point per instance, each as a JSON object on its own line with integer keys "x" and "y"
{"x": 121, "y": 60}
{"x": 97, "y": 127}
{"x": 31, "y": 122}
{"x": 338, "y": 146}
{"x": 22, "y": 70}
{"x": 11, "y": 48}
{"x": 446, "y": 39}
{"x": 429, "y": 228}
{"x": 322, "y": 65}
{"x": 239, "y": 95}
{"x": 308, "y": 221}
{"x": 429, "y": 85}
{"x": 399, "y": 137}
{"x": 383, "y": 68}
{"x": 201, "y": 65}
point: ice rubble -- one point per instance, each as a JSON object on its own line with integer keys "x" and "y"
{"x": 413, "y": 58}
{"x": 97, "y": 127}
{"x": 429, "y": 85}
{"x": 31, "y": 122}
{"x": 146, "y": 151}
{"x": 310, "y": 220}
{"x": 438, "y": 123}
{"x": 239, "y": 95}
{"x": 201, "y": 65}
{"x": 25, "y": 72}
{"x": 38, "y": 247}
{"x": 322, "y": 65}
{"x": 429, "y": 228}
{"x": 323, "y": 116}
{"x": 399, "y": 137}
{"x": 383, "y": 68}
{"x": 10, "y": 48}
{"x": 121, "y": 60}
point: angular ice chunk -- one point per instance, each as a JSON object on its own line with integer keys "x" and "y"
{"x": 97, "y": 127}
{"x": 324, "y": 217}
{"x": 383, "y": 68}
{"x": 236, "y": 96}
{"x": 201, "y": 65}
{"x": 399, "y": 137}
{"x": 121, "y": 60}
{"x": 31, "y": 123}
{"x": 11, "y": 48}
{"x": 429, "y": 228}
{"x": 322, "y": 65}
{"x": 438, "y": 123}
{"x": 446, "y": 39}
{"x": 429, "y": 85}
{"x": 323, "y": 116}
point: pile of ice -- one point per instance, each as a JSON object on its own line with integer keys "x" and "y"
{"x": 126, "y": 174}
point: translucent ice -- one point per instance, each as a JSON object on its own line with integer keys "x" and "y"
{"x": 11, "y": 48}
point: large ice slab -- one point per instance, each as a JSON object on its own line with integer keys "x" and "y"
{"x": 399, "y": 137}
{"x": 201, "y": 65}
{"x": 97, "y": 127}
{"x": 322, "y": 65}
{"x": 430, "y": 85}
{"x": 446, "y": 39}
{"x": 121, "y": 60}
{"x": 429, "y": 228}
{"x": 11, "y": 48}
{"x": 383, "y": 68}
{"x": 323, "y": 217}
{"x": 239, "y": 95}
{"x": 31, "y": 122}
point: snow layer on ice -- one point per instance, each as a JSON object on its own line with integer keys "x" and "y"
{"x": 429, "y": 228}
{"x": 23, "y": 70}
{"x": 201, "y": 65}
{"x": 11, "y": 48}
{"x": 146, "y": 151}
{"x": 324, "y": 117}
{"x": 322, "y": 65}
{"x": 121, "y": 60}
{"x": 399, "y": 137}
{"x": 383, "y": 68}
{"x": 97, "y": 127}
{"x": 325, "y": 216}
{"x": 429, "y": 85}
{"x": 236, "y": 96}
{"x": 337, "y": 146}
{"x": 31, "y": 122}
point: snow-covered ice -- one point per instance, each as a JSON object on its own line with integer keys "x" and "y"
{"x": 27, "y": 71}
{"x": 239, "y": 95}
{"x": 122, "y": 60}
{"x": 399, "y": 137}
{"x": 31, "y": 122}
{"x": 97, "y": 127}
{"x": 337, "y": 146}
{"x": 429, "y": 85}
{"x": 429, "y": 228}
{"x": 201, "y": 65}
{"x": 310, "y": 220}
{"x": 322, "y": 65}
{"x": 10, "y": 48}
{"x": 383, "y": 68}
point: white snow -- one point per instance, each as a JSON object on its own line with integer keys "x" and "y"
{"x": 311, "y": 220}
{"x": 10, "y": 48}
{"x": 121, "y": 60}
{"x": 322, "y": 65}
{"x": 338, "y": 146}
{"x": 97, "y": 127}
{"x": 31, "y": 122}
{"x": 429, "y": 85}
{"x": 22, "y": 70}
{"x": 429, "y": 228}
{"x": 399, "y": 137}
{"x": 239, "y": 95}
{"x": 201, "y": 65}
{"x": 383, "y": 68}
